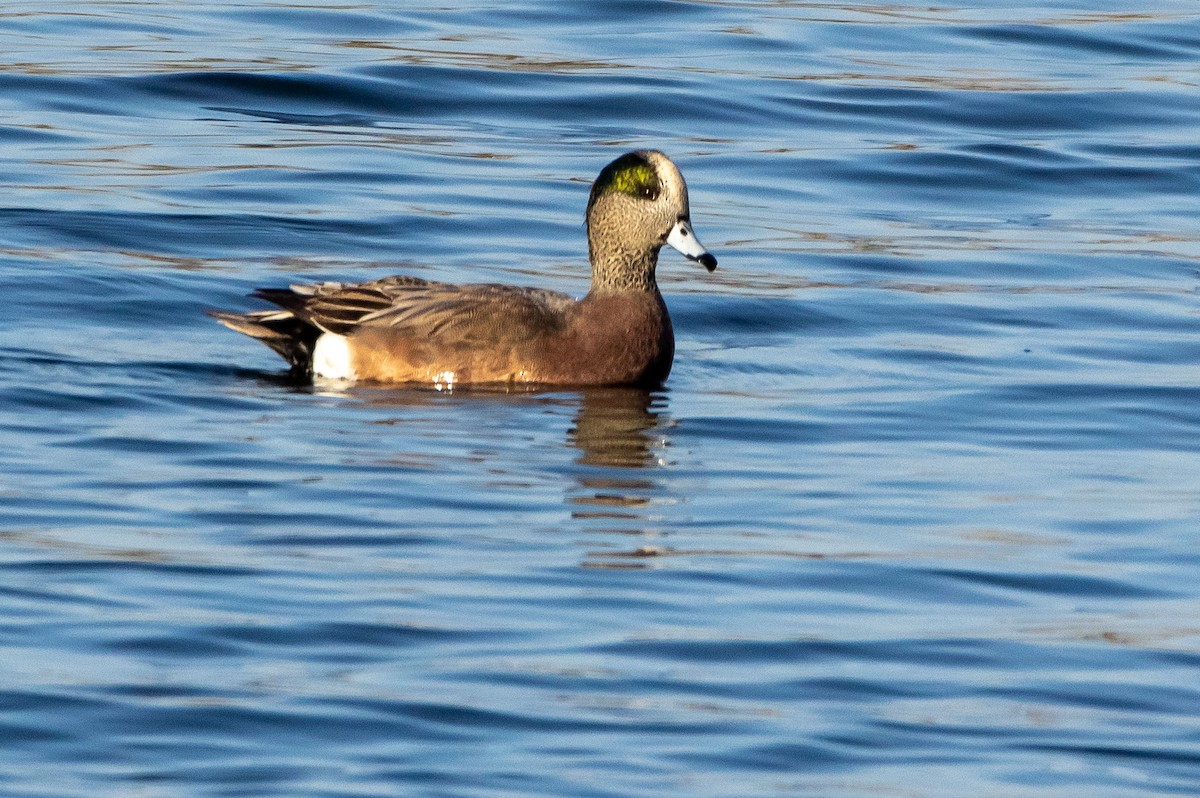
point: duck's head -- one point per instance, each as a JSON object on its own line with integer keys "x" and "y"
{"x": 638, "y": 203}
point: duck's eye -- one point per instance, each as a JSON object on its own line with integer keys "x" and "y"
{"x": 649, "y": 192}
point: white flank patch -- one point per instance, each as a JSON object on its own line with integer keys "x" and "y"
{"x": 331, "y": 358}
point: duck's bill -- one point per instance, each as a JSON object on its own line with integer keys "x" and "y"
{"x": 683, "y": 239}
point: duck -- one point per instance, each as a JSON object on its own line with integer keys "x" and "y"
{"x": 404, "y": 330}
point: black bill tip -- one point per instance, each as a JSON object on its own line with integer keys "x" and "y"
{"x": 708, "y": 261}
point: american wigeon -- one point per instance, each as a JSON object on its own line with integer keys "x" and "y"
{"x": 407, "y": 330}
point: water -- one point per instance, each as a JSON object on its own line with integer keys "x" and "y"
{"x": 915, "y": 514}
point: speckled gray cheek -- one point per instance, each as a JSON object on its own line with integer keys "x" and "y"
{"x": 624, "y": 242}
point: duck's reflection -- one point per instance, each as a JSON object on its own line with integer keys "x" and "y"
{"x": 613, "y": 485}
{"x": 621, "y": 442}
{"x": 616, "y": 427}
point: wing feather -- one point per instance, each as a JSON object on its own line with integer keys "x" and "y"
{"x": 433, "y": 310}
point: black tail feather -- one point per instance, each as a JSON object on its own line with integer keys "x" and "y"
{"x": 289, "y": 336}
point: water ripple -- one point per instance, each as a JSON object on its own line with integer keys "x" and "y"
{"x": 913, "y": 514}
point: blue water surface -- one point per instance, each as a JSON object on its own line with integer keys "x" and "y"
{"x": 914, "y": 515}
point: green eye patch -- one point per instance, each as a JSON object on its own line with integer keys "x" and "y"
{"x": 630, "y": 174}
